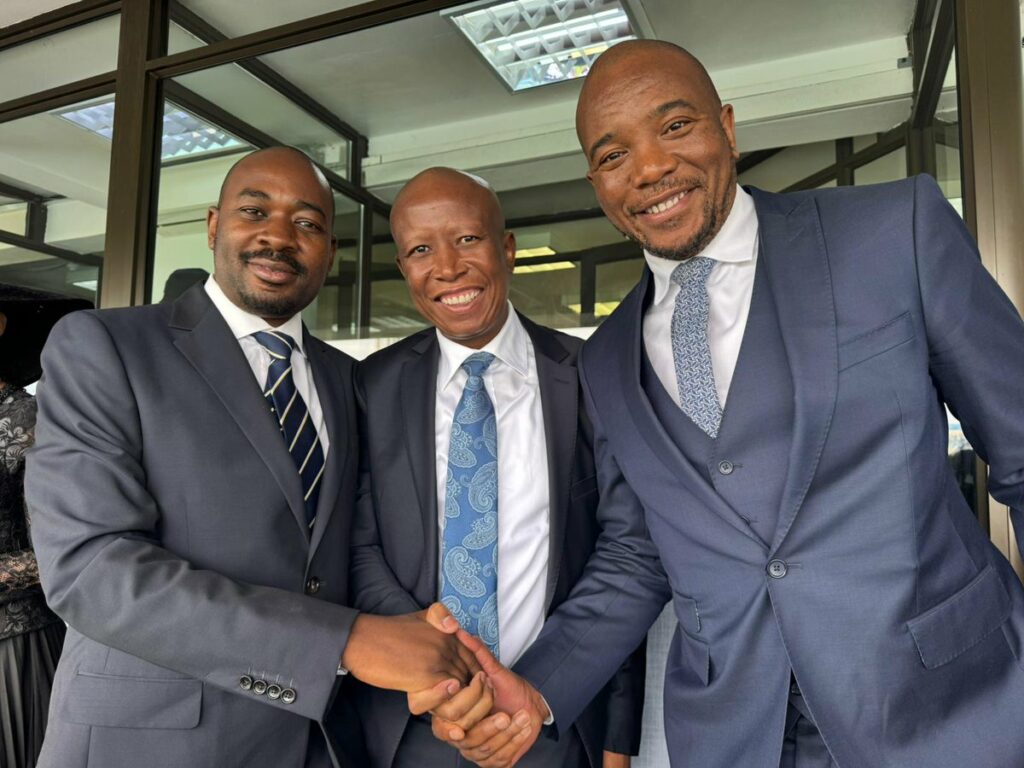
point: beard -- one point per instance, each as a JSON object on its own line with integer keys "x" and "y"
{"x": 271, "y": 305}
{"x": 714, "y": 215}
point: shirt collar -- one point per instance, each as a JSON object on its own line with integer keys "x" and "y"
{"x": 509, "y": 346}
{"x": 244, "y": 323}
{"x": 735, "y": 242}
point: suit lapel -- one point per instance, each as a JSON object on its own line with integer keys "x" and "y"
{"x": 419, "y": 385}
{"x": 559, "y": 395}
{"x": 793, "y": 247}
{"x": 647, "y": 423}
{"x": 216, "y": 354}
{"x": 338, "y": 422}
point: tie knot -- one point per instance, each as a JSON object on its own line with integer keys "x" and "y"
{"x": 477, "y": 363}
{"x": 279, "y": 345}
{"x": 694, "y": 270}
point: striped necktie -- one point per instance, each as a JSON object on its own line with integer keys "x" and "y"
{"x": 297, "y": 427}
{"x": 469, "y": 575}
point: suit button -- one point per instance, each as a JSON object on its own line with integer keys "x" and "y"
{"x": 288, "y": 696}
{"x": 274, "y": 691}
{"x": 312, "y": 586}
{"x": 259, "y": 687}
{"x": 777, "y": 569}
{"x": 726, "y": 467}
{"x": 245, "y": 683}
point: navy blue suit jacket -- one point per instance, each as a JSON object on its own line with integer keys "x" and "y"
{"x": 900, "y": 620}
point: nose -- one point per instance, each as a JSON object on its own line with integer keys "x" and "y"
{"x": 277, "y": 233}
{"x": 448, "y": 264}
{"x": 652, "y": 163}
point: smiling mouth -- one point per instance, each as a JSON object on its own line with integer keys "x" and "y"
{"x": 664, "y": 205}
{"x": 459, "y": 299}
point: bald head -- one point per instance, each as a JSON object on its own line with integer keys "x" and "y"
{"x": 617, "y": 69}
{"x": 447, "y": 183}
{"x": 283, "y": 160}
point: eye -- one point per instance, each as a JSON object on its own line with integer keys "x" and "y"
{"x": 468, "y": 239}
{"x": 251, "y": 211}
{"x": 312, "y": 226}
{"x": 676, "y": 125}
{"x": 418, "y": 250}
{"x": 612, "y": 157}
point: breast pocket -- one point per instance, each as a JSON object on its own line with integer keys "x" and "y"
{"x": 865, "y": 346}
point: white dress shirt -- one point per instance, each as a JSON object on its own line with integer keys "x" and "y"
{"x": 730, "y": 287}
{"x": 523, "y": 505}
{"x": 243, "y": 325}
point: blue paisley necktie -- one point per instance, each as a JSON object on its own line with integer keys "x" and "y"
{"x": 299, "y": 432}
{"x": 469, "y": 573}
{"x": 694, "y": 375}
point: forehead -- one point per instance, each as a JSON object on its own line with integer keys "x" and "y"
{"x": 635, "y": 90}
{"x": 277, "y": 175}
{"x": 439, "y": 206}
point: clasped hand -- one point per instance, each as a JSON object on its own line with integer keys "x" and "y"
{"x": 495, "y": 719}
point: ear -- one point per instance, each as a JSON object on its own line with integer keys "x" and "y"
{"x": 509, "y": 244}
{"x": 728, "y": 121}
{"x": 332, "y": 249}
{"x": 212, "y": 217}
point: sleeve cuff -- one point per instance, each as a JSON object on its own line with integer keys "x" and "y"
{"x": 551, "y": 715}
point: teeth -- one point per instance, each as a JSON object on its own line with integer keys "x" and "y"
{"x": 664, "y": 206}
{"x": 459, "y": 298}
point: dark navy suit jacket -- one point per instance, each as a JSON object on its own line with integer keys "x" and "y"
{"x": 394, "y": 554}
{"x": 901, "y": 622}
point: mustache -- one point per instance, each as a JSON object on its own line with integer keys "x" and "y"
{"x": 663, "y": 186}
{"x": 281, "y": 257}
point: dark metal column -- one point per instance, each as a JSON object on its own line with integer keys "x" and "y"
{"x": 135, "y": 156}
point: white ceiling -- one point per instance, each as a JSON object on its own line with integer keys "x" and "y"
{"x": 13, "y": 11}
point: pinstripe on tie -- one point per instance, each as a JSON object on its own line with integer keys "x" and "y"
{"x": 297, "y": 427}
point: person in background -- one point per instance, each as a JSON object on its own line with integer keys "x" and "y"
{"x": 31, "y": 635}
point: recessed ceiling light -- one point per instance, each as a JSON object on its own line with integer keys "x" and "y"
{"x": 553, "y": 266}
{"x": 530, "y": 43}
{"x": 531, "y": 253}
{"x": 184, "y": 135}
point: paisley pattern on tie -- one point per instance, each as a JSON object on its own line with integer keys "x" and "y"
{"x": 288, "y": 407}
{"x": 469, "y": 574}
{"x": 695, "y": 376}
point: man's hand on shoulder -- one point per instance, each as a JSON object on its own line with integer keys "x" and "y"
{"x": 407, "y": 653}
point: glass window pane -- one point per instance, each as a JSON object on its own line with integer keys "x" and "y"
{"x": 332, "y": 313}
{"x": 67, "y": 168}
{"x": 260, "y": 14}
{"x": 890, "y": 167}
{"x": 61, "y": 58}
{"x": 12, "y": 216}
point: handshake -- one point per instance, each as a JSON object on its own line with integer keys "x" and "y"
{"x": 490, "y": 714}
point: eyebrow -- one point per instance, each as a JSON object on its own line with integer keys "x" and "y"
{"x": 260, "y": 195}
{"x": 660, "y": 111}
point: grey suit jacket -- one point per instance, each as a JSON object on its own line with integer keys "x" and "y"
{"x": 170, "y": 530}
{"x": 903, "y": 624}
{"x": 395, "y": 547}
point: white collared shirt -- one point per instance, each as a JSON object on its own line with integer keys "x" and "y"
{"x": 243, "y": 325}
{"x": 730, "y": 288}
{"x": 512, "y": 383}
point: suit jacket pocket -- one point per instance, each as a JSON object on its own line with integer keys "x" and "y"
{"x": 696, "y": 657}
{"x": 583, "y": 487}
{"x": 883, "y": 338}
{"x": 961, "y": 621}
{"x": 132, "y": 702}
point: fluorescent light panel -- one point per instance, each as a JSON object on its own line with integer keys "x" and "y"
{"x": 530, "y": 43}
{"x": 184, "y": 134}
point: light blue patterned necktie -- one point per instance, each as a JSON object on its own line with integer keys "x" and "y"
{"x": 297, "y": 428}
{"x": 694, "y": 375}
{"x": 469, "y": 553}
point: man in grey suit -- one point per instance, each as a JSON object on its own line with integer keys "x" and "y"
{"x": 191, "y": 496}
{"x": 430, "y": 521}
{"x": 769, "y": 419}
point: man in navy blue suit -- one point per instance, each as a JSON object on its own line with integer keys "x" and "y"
{"x": 770, "y": 433}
